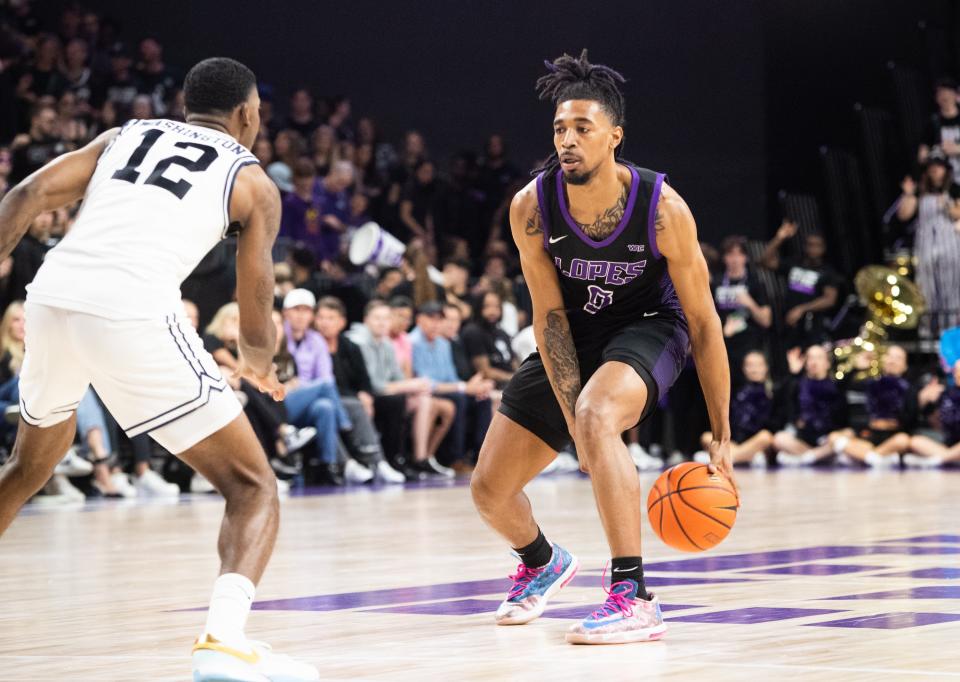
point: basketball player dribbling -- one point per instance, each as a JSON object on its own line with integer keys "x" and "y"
{"x": 105, "y": 310}
{"x": 620, "y": 288}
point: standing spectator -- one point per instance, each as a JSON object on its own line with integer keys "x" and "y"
{"x": 356, "y": 394}
{"x": 815, "y": 406}
{"x": 333, "y": 201}
{"x": 395, "y": 395}
{"x": 302, "y": 118}
{"x": 459, "y": 208}
{"x": 433, "y": 360}
{"x": 418, "y": 203}
{"x": 288, "y": 148}
{"x": 156, "y": 79}
{"x": 812, "y": 288}
{"x": 71, "y": 124}
{"x": 77, "y": 75}
{"x": 263, "y": 150}
{"x": 42, "y": 78}
{"x": 944, "y": 132}
{"x": 324, "y": 153}
{"x": 742, "y": 305}
{"x": 937, "y": 243}
{"x": 40, "y": 145}
{"x": 456, "y": 280}
{"x": 28, "y": 256}
{"x": 315, "y": 402}
{"x": 300, "y": 213}
{"x": 497, "y": 175}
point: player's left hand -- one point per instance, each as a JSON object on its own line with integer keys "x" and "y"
{"x": 721, "y": 459}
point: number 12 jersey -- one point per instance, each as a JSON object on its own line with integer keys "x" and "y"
{"x": 158, "y": 201}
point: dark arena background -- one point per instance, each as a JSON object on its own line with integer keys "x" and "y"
{"x": 817, "y": 145}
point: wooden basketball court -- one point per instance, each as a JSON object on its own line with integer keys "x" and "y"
{"x": 833, "y": 575}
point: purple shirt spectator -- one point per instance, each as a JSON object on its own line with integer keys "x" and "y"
{"x": 311, "y": 355}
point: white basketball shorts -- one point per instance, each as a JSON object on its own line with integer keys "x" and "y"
{"x": 153, "y": 375}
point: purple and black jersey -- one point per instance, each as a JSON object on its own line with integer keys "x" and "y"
{"x": 607, "y": 285}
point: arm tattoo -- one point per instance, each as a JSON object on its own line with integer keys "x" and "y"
{"x": 533, "y": 227}
{"x": 563, "y": 359}
{"x": 607, "y": 222}
{"x": 660, "y": 222}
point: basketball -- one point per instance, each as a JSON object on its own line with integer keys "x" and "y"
{"x": 691, "y": 509}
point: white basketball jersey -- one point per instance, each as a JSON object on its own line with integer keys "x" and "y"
{"x": 158, "y": 201}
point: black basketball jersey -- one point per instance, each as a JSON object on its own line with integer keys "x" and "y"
{"x": 608, "y": 284}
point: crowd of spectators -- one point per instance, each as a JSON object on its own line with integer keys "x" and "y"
{"x": 393, "y": 373}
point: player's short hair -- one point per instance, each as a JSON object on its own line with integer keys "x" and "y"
{"x": 576, "y": 78}
{"x": 217, "y": 85}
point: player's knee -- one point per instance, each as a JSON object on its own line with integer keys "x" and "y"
{"x": 595, "y": 418}
{"x": 32, "y": 471}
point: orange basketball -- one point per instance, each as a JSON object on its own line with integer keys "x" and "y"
{"x": 691, "y": 509}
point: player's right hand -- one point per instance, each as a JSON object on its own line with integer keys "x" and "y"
{"x": 265, "y": 383}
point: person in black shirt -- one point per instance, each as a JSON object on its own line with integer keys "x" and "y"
{"x": 156, "y": 78}
{"x": 487, "y": 345}
{"x": 812, "y": 289}
{"x": 944, "y": 130}
{"x": 356, "y": 394}
{"x": 28, "y": 256}
{"x": 35, "y": 149}
{"x": 742, "y": 306}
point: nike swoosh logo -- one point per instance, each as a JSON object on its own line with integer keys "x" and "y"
{"x": 649, "y": 314}
{"x": 554, "y": 240}
{"x": 625, "y": 570}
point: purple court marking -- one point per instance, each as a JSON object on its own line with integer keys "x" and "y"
{"x": 929, "y": 538}
{"x": 817, "y": 569}
{"x": 925, "y": 592}
{"x": 459, "y": 607}
{"x": 421, "y": 593}
{"x": 757, "y": 614}
{"x": 791, "y": 556}
{"x": 927, "y": 573}
{"x": 889, "y": 621}
{"x": 578, "y": 612}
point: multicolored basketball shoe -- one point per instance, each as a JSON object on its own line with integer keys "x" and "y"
{"x": 533, "y": 588}
{"x": 623, "y": 618}
{"x": 214, "y": 661}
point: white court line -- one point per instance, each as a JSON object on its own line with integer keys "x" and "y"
{"x": 367, "y": 658}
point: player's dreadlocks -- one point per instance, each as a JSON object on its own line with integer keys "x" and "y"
{"x": 576, "y": 78}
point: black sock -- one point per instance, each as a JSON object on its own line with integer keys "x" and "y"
{"x": 629, "y": 567}
{"x": 538, "y": 553}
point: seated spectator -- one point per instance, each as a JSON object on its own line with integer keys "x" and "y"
{"x": 324, "y": 153}
{"x": 742, "y": 305}
{"x": 109, "y": 480}
{"x": 401, "y": 319}
{"x": 456, "y": 280}
{"x": 419, "y": 203}
{"x": 315, "y": 401}
{"x": 815, "y": 407}
{"x": 300, "y": 216}
{"x": 267, "y": 416}
{"x": 891, "y": 412}
{"x": 39, "y": 146}
{"x": 389, "y": 279}
{"x": 396, "y": 395}
{"x": 302, "y": 118}
{"x": 28, "y": 256}
{"x": 753, "y": 415}
{"x": 157, "y": 80}
{"x": 11, "y": 360}
{"x": 812, "y": 286}
{"x": 356, "y": 394}
{"x": 433, "y": 360}
{"x": 488, "y": 346}
{"x": 945, "y": 399}
{"x": 121, "y": 86}
{"x": 936, "y": 244}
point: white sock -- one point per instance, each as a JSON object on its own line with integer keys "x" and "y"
{"x": 229, "y": 607}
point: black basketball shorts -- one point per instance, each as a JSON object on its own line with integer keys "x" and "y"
{"x": 655, "y": 347}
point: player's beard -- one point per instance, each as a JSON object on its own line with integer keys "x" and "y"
{"x": 580, "y": 178}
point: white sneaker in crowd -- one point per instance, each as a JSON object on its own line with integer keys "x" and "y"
{"x": 198, "y": 484}
{"x": 759, "y": 461}
{"x": 121, "y": 483}
{"x": 701, "y": 457}
{"x": 388, "y": 474}
{"x": 59, "y": 484}
{"x": 440, "y": 469}
{"x": 355, "y": 472}
{"x": 785, "y": 459}
{"x": 643, "y": 460}
{"x": 295, "y": 439}
{"x": 73, "y": 464}
{"x": 151, "y": 484}
{"x": 914, "y": 461}
{"x": 878, "y": 461}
